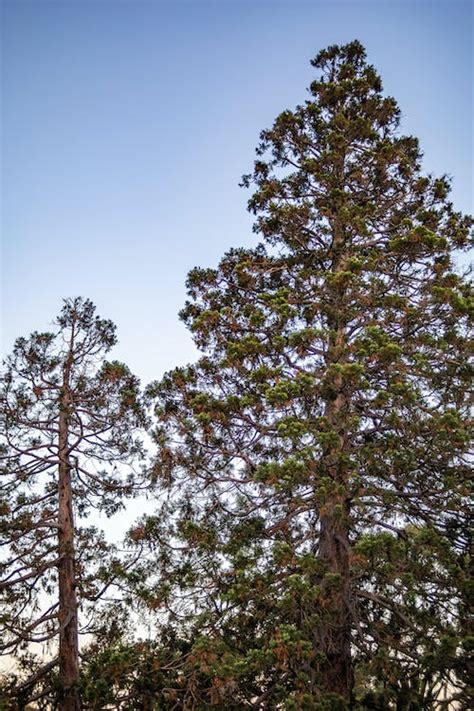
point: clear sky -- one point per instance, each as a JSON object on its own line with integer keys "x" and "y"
{"x": 126, "y": 127}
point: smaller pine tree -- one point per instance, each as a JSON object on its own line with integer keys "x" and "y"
{"x": 71, "y": 424}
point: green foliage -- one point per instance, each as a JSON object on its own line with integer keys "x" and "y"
{"x": 331, "y": 399}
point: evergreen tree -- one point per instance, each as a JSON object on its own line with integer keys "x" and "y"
{"x": 317, "y": 452}
{"x": 71, "y": 421}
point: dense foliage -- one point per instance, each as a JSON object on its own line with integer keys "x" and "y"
{"x": 317, "y": 453}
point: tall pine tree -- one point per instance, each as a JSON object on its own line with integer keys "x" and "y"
{"x": 318, "y": 450}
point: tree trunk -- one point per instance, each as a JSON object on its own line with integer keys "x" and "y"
{"x": 333, "y": 634}
{"x": 68, "y": 635}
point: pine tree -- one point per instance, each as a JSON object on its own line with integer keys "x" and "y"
{"x": 71, "y": 421}
{"x": 317, "y": 452}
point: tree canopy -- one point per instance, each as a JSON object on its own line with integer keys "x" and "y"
{"x": 317, "y": 452}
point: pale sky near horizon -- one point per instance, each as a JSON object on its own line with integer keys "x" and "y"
{"x": 126, "y": 127}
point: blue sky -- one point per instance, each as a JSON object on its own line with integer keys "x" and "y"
{"x": 126, "y": 127}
